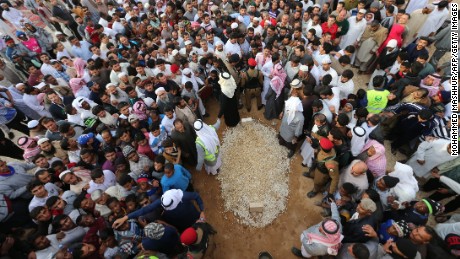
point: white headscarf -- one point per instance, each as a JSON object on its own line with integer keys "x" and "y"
{"x": 228, "y": 86}
{"x": 171, "y": 198}
{"x": 76, "y": 103}
{"x": 293, "y": 105}
{"x": 407, "y": 188}
{"x": 207, "y": 135}
{"x": 158, "y": 91}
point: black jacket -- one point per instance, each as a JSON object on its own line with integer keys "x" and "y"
{"x": 353, "y": 230}
{"x": 58, "y": 111}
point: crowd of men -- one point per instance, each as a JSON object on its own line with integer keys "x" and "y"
{"x": 109, "y": 98}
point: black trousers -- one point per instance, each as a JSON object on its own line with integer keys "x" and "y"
{"x": 452, "y": 205}
{"x": 9, "y": 149}
{"x": 20, "y": 218}
{"x": 434, "y": 184}
{"x": 16, "y": 123}
{"x": 74, "y": 27}
{"x": 289, "y": 145}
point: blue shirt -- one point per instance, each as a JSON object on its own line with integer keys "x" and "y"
{"x": 83, "y": 51}
{"x": 179, "y": 180}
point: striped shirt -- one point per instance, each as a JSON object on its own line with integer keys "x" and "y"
{"x": 440, "y": 129}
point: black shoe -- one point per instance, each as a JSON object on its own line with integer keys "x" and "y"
{"x": 265, "y": 255}
{"x": 206, "y": 115}
{"x": 291, "y": 153}
{"x": 311, "y": 194}
{"x": 296, "y": 251}
{"x": 304, "y": 165}
{"x": 393, "y": 150}
{"x": 260, "y": 107}
{"x": 11, "y": 135}
{"x": 308, "y": 175}
{"x": 325, "y": 213}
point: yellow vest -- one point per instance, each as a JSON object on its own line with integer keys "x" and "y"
{"x": 377, "y": 100}
{"x": 208, "y": 156}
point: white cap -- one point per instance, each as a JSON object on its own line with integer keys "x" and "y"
{"x": 234, "y": 25}
{"x": 296, "y": 83}
{"x": 392, "y": 43}
{"x": 186, "y": 71}
{"x": 61, "y": 175}
{"x": 187, "y": 42}
{"x": 175, "y": 52}
{"x": 430, "y": 6}
{"x": 32, "y": 124}
{"x": 40, "y": 86}
{"x": 42, "y": 140}
{"x": 132, "y": 118}
{"x": 110, "y": 85}
{"x": 219, "y": 43}
{"x": 256, "y": 19}
{"x": 198, "y": 125}
{"x": 159, "y": 89}
{"x": 363, "y": 11}
{"x": 19, "y": 84}
{"x": 148, "y": 101}
{"x": 303, "y": 68}
{"x": 122, "y": 74}
{"x": 326, "y": 60}
{"x": 240, "y": 19}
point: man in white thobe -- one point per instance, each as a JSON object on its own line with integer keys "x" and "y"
{"x": 13, "y": 15}
{"x": 357, "y": 27}
{"x": 266, "y": 71}
{"x": 326, "y": 69}
{"x": 429, "y": 154}
{"x": 415, "y": 5}
{"x": 187, "y": 75}
{"x": 232, "y": 46}
{"x": 315, "y": 23}
{"x": 416, "y": 21}
{"x": 435, "y": 20}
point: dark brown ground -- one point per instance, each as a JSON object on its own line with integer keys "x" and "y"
{"x": 234, "y": 240}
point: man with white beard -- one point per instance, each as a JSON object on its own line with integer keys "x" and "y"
{"x": 116, "y": 95}
{"x": 357, "y": 27}
{"x": 219, "y": 52}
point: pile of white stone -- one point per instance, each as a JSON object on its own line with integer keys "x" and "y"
{"x": 254, "y": 174}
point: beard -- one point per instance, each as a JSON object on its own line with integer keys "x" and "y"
{"x": 51, "y": 151}
{"x": 165, "y": 99}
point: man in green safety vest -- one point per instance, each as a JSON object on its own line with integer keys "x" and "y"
{"x": 207, "y": 146}
{"x": 377, "y": 98}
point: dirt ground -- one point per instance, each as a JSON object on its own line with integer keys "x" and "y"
{"x": 234, "y": 240}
